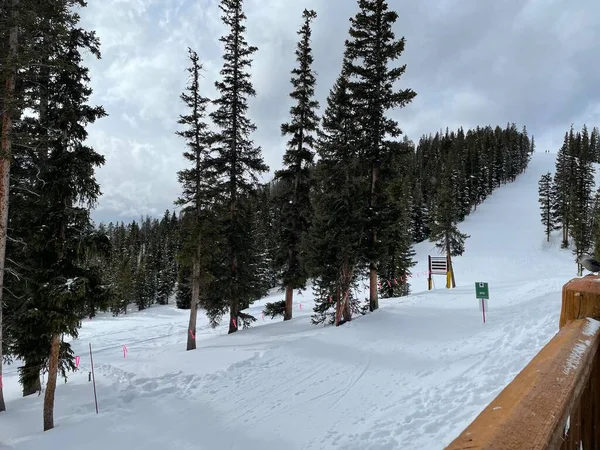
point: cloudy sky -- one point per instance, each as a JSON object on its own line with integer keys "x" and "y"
{"x": 471, "y": 62}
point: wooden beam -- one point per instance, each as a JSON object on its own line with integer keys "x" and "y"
{"x": 580, "y": 299}
{"x": 532, "y": 411}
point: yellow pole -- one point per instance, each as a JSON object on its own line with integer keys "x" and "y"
{"x": 448, "y": 279}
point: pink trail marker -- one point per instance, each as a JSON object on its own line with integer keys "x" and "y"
{"x": 300, "y": 305}
{"x": 263, "y": 316}
{"x": 192, "y": 334}
{"x": 124, "y": 351}
{"x": 234, "y": 322}
{"x": 1, "y": 385}
{"x": 77, "y": 359}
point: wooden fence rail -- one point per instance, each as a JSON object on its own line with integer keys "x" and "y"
{"x": 554, "y": 402}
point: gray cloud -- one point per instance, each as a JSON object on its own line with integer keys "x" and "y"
{"x": 471, "y": 62}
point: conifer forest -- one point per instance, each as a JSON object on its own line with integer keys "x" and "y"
{"x": 351, "y": 197}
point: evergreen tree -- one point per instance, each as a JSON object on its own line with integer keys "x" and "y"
{"x": 337, "y": 227}
{"x": 595, "y": 144}
{"x": 444, "y": 228}
{"x": 167, "y": 267}
{"x": 581, "y": 211}
{"x": 397, "y": 258}
{"x": 239, "y": 160}
{"x": 548, "y": 205}
{"x": 596, "y": 225}
{"x": 62, "y": 282}
{"x": 183, "y": 293}
{"x": 197, "y": 182}
{"x": 369, "y": 51}
{"x": 562, "y": 176}
{"x": 295, "y": 206}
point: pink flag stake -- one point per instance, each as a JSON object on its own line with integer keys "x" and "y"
{"x": 124, "y": 351}
{"x": 300, "y": 305}
{"x": 263, "y": 315}
{"x": 77, "y": 359}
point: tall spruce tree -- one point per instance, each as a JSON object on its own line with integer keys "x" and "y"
{"x": 197, "y": 182}
{"x": 562, "y": 179}
{"x": 581, "y": 211}
{"x": 397, "y": 255}
{"x": 595, "y": 144}
{"x": 62, "y": 283}
{"x": 294, "y": 201}
{"x": 596, "y": 224}
{"x": 548, "y": 205}
{"x": 371, "y": 49}
{"x": 444, "y": 228}
{"x": 239, "y": 160}
{"x": 337, "y": 228}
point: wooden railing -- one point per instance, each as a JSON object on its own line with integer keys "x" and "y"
{"x": 554, "y": 402}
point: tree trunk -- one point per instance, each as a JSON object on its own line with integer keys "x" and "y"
{"x": 234, "y": 302}
{"x": 51, "y": 385}
{"x": 289, "y": 297}
{"x": 233, "y": 316}
{"x": 338, "y": 304}
{"x": 373, "y": 300}
{"x": 373, "y": 294}
{"x": 449, "y": 263}
{"x": 5, "y": 159}
{"x": 191, "y": 338}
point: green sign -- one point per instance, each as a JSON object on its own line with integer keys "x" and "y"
{"x": 482, "y": 290}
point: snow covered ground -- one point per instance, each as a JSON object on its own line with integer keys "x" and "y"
{"x": 411, "y": 375}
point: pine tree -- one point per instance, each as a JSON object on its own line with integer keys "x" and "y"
{"x": 444, "y": 229}
{"x": 337, "y": 227}
{"x": 183, "y": 293}
{"x": 596, "y": 224}
{"x": 369, "y": 51}
{"x": 238, "y": 158}
{"x": 196, "y": 181}
{"x": 581, "y": 214}
{"x": 397, "y": 259}
{"x": 595, "y": 144}
{"x": 294, "y": 201}
{"x": 167, "y": 270}
{"x": 62, "y": 282}
{"x": 547, "y": 201}
{"x": 562, "y": 176}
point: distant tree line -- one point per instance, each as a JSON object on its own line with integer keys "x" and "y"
{"x": 439, "y": 182}
{"x": 567, "y": 199}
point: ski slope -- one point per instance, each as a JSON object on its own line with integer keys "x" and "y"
{"x": 411, "y": 375}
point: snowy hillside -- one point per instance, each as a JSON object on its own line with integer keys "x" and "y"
{"x": 411, "y": 375}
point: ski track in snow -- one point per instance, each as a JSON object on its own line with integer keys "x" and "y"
{"x": 411, "y": 375}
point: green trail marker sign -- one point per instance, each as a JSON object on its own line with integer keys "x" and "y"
{"x": 482, "y": 292}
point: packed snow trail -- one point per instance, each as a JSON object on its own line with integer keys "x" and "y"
{"x": 410, "y": 375}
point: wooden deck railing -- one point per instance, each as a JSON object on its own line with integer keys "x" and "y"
{"x": 554, "y": 402}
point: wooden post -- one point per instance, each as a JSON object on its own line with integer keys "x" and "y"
{"x": 429, "y": 280}
{"x": 93, "y": 378}
{"x": 580, "y": 299}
